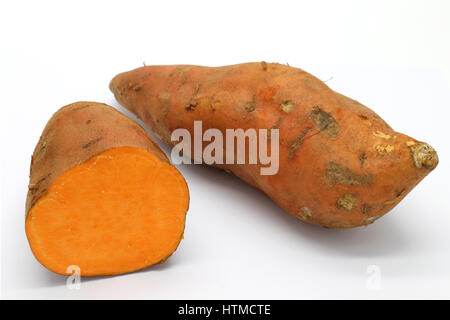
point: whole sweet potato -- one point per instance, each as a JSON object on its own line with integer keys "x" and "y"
{"x": 340, "y": 164}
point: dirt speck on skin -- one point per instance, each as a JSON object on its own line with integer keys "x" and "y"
{"x": 365, "y": 209}
{"x": 191, "y": 104}
{"x": 264, "y": 65}
{"x": 92, "y": 142}
{"x": 362, "y": 159}
{"x": 382, "y": 149}
{"x": 305, "y": 213}
{"x": 275, "y": 126}
{"x": 365, "y": 120}
{"x": 250, "y": 106}
{"x": 325, "y": 122}
{"x": 340, "y": 174}
{"x": 183, "y": 82}
{"x": 371, "y": 219}
{"x": 287, "y": 106}
{"x": 87, "y": 105}
{"x": 297, "y": 143}
{"x": 347, "y": 202}
{"x": 381, "y": 135}
{"x": 215, "y": 105}
{"x": 33, "y": 187}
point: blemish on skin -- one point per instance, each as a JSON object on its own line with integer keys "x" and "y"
{"x": 264, "y": 65}
{"x": 34, "y": 186}
{"x": 371, "y": 219}
{"x": 365, "y": 209}
{"x": 287, "y": 106}
{"x": 365, "y": 120}
{"x": 347, "y": 202}
{"x": 410, "y": 143}
{"x": 305, "y": 213}
{"x": 296, "y": 144}
{"x": 382, "y": 149}
{"x": 250, "y": 106}
{"x": 399, "y": 193}
{"x": 340, "y": 174}
{"x": 325, "y": 122}
{"x": 362, "y": 159}
{"x": 40, "y": 153}
{"x": 275, "y": 126}
{"x": 215, "y": 105}
{"x": 424, "y": 155}
{"x": 197, "y": 89}
{"x": 180, "y": 71}
{"x": 191, "y": 104}
{"x": 339, "y": 224}
{"x": 80, "y": 107}
{"x": 132, "y": 86}
{"x": 88, "y": 121}
{"x": 381, "y": 135}
{"x": 92, "y": 142}
{"x": 183, "y": 82}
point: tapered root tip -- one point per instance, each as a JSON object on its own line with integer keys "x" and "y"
{"x": 424, "y": 156}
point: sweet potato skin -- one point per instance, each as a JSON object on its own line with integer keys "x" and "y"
{"x": 341, "y": 165}
{"x": 74, "y": 134}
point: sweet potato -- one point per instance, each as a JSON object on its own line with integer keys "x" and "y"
{"x": 340, "y": 164}
{"x": 102, "y": 196}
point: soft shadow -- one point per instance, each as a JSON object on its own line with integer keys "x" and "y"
{"x": 154, "y": 268}
{"x": 382, "y": 238}
{"x": 51, "y": 279}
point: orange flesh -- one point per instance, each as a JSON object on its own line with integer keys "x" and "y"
{"x": 120, "y": 211}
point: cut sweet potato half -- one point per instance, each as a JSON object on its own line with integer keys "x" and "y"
{"x": 121, "y": 210}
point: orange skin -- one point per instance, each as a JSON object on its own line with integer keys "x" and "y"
{"x": 341, "y": 165}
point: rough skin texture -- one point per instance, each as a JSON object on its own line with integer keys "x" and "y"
{"x": 341, "y": 165}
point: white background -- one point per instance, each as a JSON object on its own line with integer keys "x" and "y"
{"x": 393, "y": 56}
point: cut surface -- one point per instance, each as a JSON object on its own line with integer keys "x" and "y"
{"x": 120, "y": 211}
